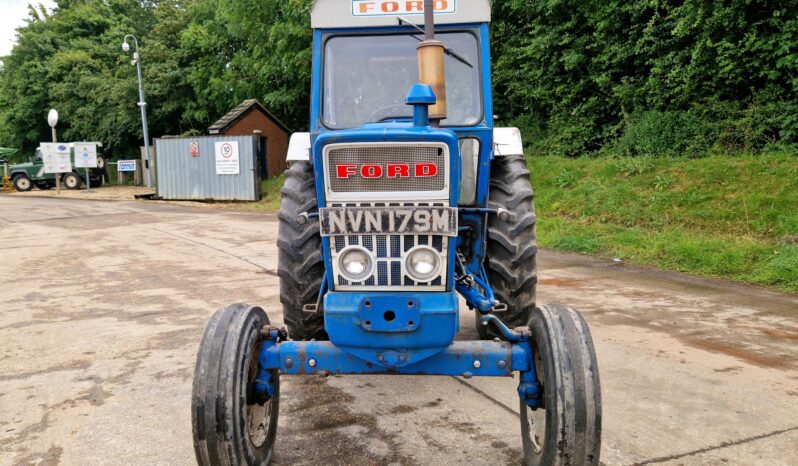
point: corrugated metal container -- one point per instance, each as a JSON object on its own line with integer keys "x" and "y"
{"x": 187, "y": 169}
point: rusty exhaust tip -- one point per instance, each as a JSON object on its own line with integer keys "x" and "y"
{"x": 431, "y": 69}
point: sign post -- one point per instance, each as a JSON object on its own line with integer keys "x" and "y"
{"x": 126, "y": 165}
{"x": 123, "y": 167}
{"x": 227, "y": 161}
{"x": 57, "y": 160}
{"x": 86, "y": 158}
{"x": 7, "y": 186}
{"x": 52, "y": 120}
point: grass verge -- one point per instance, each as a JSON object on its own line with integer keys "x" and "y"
{"x": 732, "y": 217}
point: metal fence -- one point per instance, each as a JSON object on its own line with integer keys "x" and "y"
{"x": 189, "y": 168}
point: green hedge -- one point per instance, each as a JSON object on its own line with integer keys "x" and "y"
{"x": 648, "y": 78}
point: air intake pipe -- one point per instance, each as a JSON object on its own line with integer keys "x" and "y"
{"x": 431, "y": 64}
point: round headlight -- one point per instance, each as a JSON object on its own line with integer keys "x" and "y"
{"x": 356, "y": 264}
{"x": 423, "y": 263}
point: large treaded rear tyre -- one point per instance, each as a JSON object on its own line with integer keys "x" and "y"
{"x": 229, "y": 424}
{"x": 566, "y": 428}
{"x": 72, "y": 181}
{"x": 300, "y": 263}
{"x": 512, "y": 245}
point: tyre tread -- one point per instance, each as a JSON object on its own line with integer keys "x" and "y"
{"x": 564, "y": 339}
{"x": 510, "y": 261}
{"x": 300, "y": 262}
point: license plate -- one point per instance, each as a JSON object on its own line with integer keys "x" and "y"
{"x": 341, "y": 221}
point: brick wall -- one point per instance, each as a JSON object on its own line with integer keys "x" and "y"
{"x": 276, "y": 138}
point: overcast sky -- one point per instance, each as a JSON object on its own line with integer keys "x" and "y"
{"x": 12, "y": 16}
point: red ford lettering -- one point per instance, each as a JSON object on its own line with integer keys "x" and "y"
{"x": 394, "y": 7}
{"x": 390, "y": 7}
{"x": 371, "y": 171}
{"x": 390, "y": 170}
{"x": 398, "y": 170}
{"x": 344, "y": 171}
{"x": 426, "y": 169}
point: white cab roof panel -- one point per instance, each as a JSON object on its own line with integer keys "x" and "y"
{"x": 372, "y": 13}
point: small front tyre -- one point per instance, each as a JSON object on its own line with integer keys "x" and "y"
{"x": 566, "y": 428}
{"x": 230, "y": 425}
{"x": 22, "y": 183}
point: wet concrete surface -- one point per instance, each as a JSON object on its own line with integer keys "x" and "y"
{"x": 103, "y": 305}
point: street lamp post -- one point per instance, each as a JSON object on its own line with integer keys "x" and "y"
{"x": 52, "y": 120}
{"x": 142, "y": 104}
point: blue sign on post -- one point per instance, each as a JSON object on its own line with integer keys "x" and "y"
{"x": 126, "y": 165}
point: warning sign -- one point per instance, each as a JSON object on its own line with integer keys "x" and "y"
{"x": 194, "y": 149}
{"x": 126, "y": 165}
{"x": 227, "y": 162}
{"x": 85, "y": 155}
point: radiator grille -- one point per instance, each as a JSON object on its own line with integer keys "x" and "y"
{"x": 388, "y": 252}
{"x": 382, "y": 155}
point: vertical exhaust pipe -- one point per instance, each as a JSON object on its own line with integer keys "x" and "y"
{"x": 431, "y": 64}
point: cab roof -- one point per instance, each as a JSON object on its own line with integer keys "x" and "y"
{"x": 328, "y": 14}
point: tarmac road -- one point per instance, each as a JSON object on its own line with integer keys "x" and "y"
{"x": 103, "y": 305}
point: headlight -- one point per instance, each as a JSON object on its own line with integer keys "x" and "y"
{"x": 356, "y": 264}
{"x": 423, "y": 263}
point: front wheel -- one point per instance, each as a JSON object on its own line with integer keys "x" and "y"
{"x": 22, "y": 183}
{"x": 565, "y": 428}
{"x": 231, "y": 424}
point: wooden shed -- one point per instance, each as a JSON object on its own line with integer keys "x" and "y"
{"x": 251, "y": 117}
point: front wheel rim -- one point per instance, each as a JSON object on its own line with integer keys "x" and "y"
{"x": 23, "y": 183}
{"x": 536, "y": 428}
{"x": 536, "y": 418}
{"x": 258, "y": 416}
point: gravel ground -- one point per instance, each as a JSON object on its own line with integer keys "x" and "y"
{"x": 106, "y": 193}
{"x": 104, "y": 304}
{"x": 129, "y": 193}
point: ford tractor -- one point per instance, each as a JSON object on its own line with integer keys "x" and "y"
{"x": 402, "y": 201}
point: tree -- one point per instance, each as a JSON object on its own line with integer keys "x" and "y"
{"x": 251, "y": 49}
{"x": 71, "y": 59}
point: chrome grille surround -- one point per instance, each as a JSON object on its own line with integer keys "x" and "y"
{"x": 384, "y": 188}
{"x": 387, "y": 254}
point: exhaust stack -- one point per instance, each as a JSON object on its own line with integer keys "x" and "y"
{"x": 431, "y": 64}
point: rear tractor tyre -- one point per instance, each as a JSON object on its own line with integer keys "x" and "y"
{"x": 22, "y": 183}
{"x": 72, "y": 181}
{"x": 230, "y": 425}
{"x": 566, "y": 428}
{"x": 512, "y": 248}
{"x": 300, "y": 265}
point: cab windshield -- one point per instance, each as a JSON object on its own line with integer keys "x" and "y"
{"x": 366, "y": 79}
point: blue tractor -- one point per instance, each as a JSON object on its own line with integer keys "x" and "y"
{"x": 402, "y": 199}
